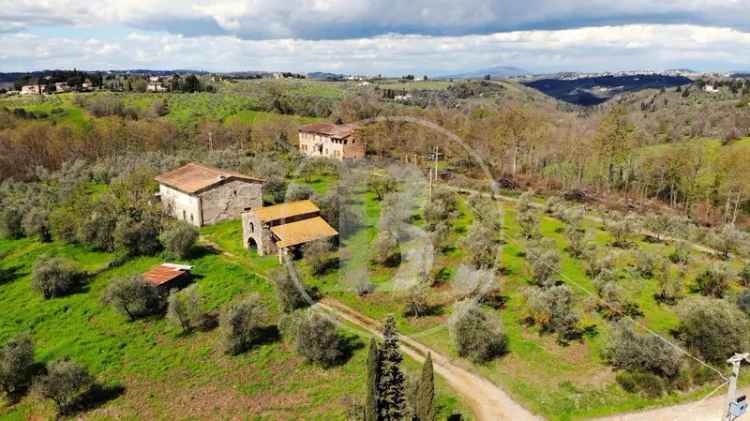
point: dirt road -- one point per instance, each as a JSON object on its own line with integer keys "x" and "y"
{"x": 708, "y": 410}
{"x": 488, "y": 402}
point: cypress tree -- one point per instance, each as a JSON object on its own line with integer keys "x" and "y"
{"x": 392, "y": 383}
{"x": 373, "y": 377}
{"x": 424, "y": 410}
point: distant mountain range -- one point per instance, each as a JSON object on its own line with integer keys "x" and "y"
{"x": 497, "y": 72}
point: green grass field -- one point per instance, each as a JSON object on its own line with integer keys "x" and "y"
{"x": 166, "y": 375}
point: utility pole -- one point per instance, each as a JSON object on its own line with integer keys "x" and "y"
{"x": 210, "y": 141}
{"x": 736, "y": 407}
{"x": 434, "y": 155}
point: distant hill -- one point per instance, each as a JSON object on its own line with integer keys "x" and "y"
{"x": 325, "y": 76}
{"x": 595, "y": 90}
{"x": 497, "y": 72}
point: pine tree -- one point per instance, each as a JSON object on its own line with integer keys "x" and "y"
{"x": 373, "y": 377}
{"x": 424, "y": 410}
{"x": 392, "y": 383}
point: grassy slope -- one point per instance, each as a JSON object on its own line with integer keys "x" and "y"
{"x": 165, "y": 374}
{"x": 560, "y": 382}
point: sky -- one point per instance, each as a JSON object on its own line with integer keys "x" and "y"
{"x": 390, "y": 37}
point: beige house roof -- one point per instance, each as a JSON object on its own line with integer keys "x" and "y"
{"x": 193, "y": 178}
{"x": 338, "y": 131}
{"x": 285, "y": 210}
{"x": 303, "y": 231}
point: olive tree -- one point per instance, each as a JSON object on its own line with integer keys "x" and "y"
{"x": 476, "y": 334}
{"x": 179, "y": 239}
{"x": 316, "y": 255}
{"x": 713, "y": 328}
{"x": 744, "y": 275}
{"x": 315, "y": 337}
{"x": 184, "y": 308}
{"x": 385, "y": 249}
{"x": 134, "y": 297}
{"x": 242, "y": 325}
{"x": 16, "y": 361}
{"x": 630, "y": 350}
{"x": 671, "y": 286}
{"x": 472, "y": 283}
{"x": 714, "y": 281}
{"x": 552, "y": 310}
{"x": 292, "y": 292}
{"x": 55, "y": 276}
{"x": 66, "y": 383}
{"x": 481, "y": 245}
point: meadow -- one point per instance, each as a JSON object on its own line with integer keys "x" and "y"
{"x": 156, "y": 372}
{"x": 560, "y": 381}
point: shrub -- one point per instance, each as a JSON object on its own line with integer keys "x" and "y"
{"x": 714, "y": 281}
{"x": 292, "y": 292}
{"x": 621, "y": 230}
{"x": 36, "y": 222}
{"x": 316, "y": 255}
{"x": 55, "y": 277}
{"x": 744, "y": 275}
{"x": 743, "y": 301}
{"x": 315, "y": 337}
{"x": 417, "y": 304}
{"x": 670, "y": 285}
{"x": 475, "y": 333}
{"x": 552, "y": 310}
{"x": 473, "y": 283}
{"x": 596, "y": 264}
{"x": 544, "y": 265}
{"x": 134, "y": 297}
{"x": 681, "y": 253}
{"x": 646, "y": 263}
{"x": 66, "y": 383}
{"x": 184, "y": 308}
{"x": 179, "y": 239}
{"x": 481, "y": 245}
{"x": 242, "y": 325}
{"x": 385, "y": 249}
{"x": 16, "y": 361}
{"x": 137, "y": 237}
{"x": 629, "y": 350}
{"x": 578, "y": 240}
{"x": 713, "y": 328}
{"x": 11, "y": 220}
{"x": 96, "y": 229}
{"x": 274, "y": 190}
{"x": 726, "y": 240}
{"x": 528, "y": 221}
{"x": 298, "y": 192}
{"x": 649, "y": 384}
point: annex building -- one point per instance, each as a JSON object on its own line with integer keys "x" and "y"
{"x": 202, "y": 195}
{"x": 335, "y": 141}
{"x": 279, "y": 228}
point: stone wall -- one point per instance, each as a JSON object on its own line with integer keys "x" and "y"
{"x": 260, "y": 233}
{"x": 228, "y": 200}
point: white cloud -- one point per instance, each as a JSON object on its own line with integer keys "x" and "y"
{"x": 590, "y": 48}
{"x": 341, "y": 19}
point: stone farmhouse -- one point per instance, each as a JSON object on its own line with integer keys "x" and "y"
{"x": 202, "y": 195}
{"x": 33, "y": 89}
{"x": 281, "y": 228}
{"x": 335, "y": 141}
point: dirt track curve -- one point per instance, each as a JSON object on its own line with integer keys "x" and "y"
{"x": 488, "y": 402}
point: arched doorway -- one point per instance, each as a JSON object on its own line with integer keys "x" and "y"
{"x": 251, "y": 244}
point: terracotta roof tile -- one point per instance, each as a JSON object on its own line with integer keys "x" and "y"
{"x": 285, "y": 210}
{"x": 193, "y": 178}
{"x": 303, "y": 231}
{"x": 338, "y": 131}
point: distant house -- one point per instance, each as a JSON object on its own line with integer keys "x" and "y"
{"x": 336, "y": 141}
{"x": 87, "y": 86}
{"x": 279, "y": 228}
{"x": 61, "y": 87}
{"x": 167, "y": 276}
{"x": 711, "y": 89}
{"x": 202, "y": 195}
{"x": 33, "y": 89}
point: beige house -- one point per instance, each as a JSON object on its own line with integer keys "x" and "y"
{"x": 202, "y": 195}
{"x": 335, "y": 141}
{"x": 33, "y": 89}
{"x": 278, "y": 228}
